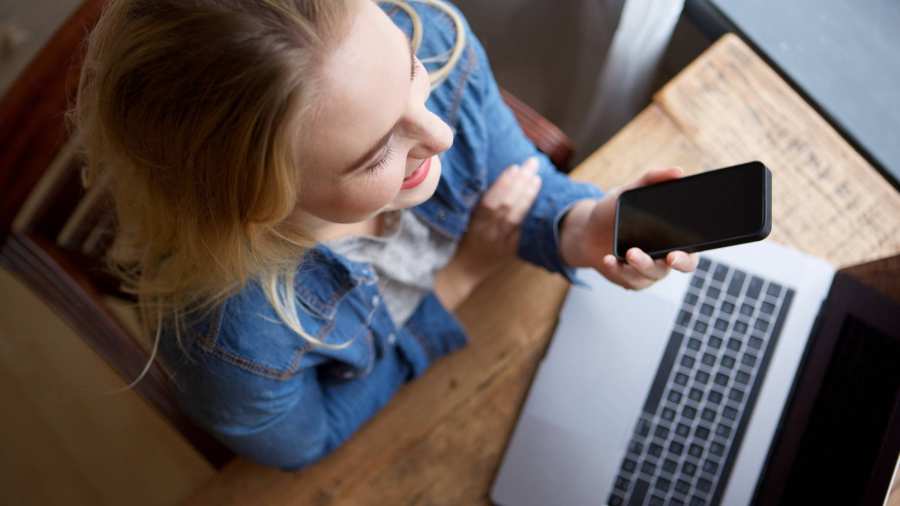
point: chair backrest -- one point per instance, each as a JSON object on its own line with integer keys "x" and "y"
{"x": 54, "y": 234}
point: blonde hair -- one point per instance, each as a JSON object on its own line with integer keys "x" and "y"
{"x": 187, "y": 112}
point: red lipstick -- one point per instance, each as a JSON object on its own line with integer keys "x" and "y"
{"x": 417, "y": 176}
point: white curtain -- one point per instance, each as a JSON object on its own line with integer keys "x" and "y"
{"x": 587, "y": 65}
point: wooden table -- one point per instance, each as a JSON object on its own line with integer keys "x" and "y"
{"x": 440, "y": 440}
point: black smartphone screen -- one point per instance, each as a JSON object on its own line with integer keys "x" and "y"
{"x": 703, "y": 211}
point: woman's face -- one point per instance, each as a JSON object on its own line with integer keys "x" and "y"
{"x": 372, "y": 145}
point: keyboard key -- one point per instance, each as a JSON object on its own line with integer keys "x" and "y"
{"x": 688, "y": 468}
{"x": 615, "y": 500}
{"x": 663, "y": 484}
{"x": 755, "y": 343}
{"x": 708, "y": 415}
{"x": 691, "y": 299}
{"x": 682, "y": 430}
{"x": 720, "y": 272}
{"x": 755, "y": 285}
{"x": 767, "y": 307}
{"x": 676, "y": 448}
{"x": 748, "y": 359}
{"x": 643, "y": 428}
{"x": 682, "y": 487}
{"x": 661, "y": 432}
{"x": 702, "y": 377}
{"x": 706, "y": 309}
{"x": 723, "y": 430}
{"x": 761, "y": 325}
{"x": 640, "y": 490}
{"x": 727, "y": 361}
{"x": 737, "y": 281}
{"x": 689, "y": 412}
{"x": 740, "y": 327}
{"x": 721, "y": 325}
{"x": 629, "y": 465}
{"x": 697, "y": 501}
{"x": 655, "y": 500}
{"x": 742, "y": 377}
{"x": 668, "y": 414}
{"x": 736, "y": 395}
{"x": 655, "y": 449}
{"x": 746, "y": 309}
{"x": 713, "y": 292}
{"x": 695, "y": 450}
{"x": 695, "y": 394}
{"x": 687, "y": 361}
{"x": 703, "y": 264}
{"x": 636, "y": 447}
{"x": 729, "y": 413}
{"x": 714, "y": 397}
{"x": 727, "y": 307}
{"x": 710, "y": 466}
{"x": 669, "y": 465}
{"x": 722, "y": 379}
{"x": 676, "y": 502}
{"x": 704, "y": 484}
{"x": 683, "y": 318}
{"x": 681, "y": 379}
{"x": 648, "y": 468}
{"x": 734, "y": 344}
{"x": 697, "y": 282}
{"x": 701, "y": 432}
{"x": 708, "y": 359}
{"x": 700, "y": 326}
{"x": 674, "y": 396}
{"x": 715, "y": 342}
{"x": 622, "y": 483}
{"x": 694, "y": 343}
{"x": 774, "y": 289}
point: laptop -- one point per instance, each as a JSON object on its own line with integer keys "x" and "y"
{"x": 729, "y": 385}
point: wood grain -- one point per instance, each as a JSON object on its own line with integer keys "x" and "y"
{"x": 441, "y": 439}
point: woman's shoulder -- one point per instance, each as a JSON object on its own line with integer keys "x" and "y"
{"x": 246, "y": 332}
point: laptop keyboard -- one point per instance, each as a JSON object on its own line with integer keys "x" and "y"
{"x": 686, "y": 439}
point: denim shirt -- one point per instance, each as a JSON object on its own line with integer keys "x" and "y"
{"x": 272, "y": 397}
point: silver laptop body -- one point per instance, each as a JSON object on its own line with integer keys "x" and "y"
{"x": 581, "y": 415}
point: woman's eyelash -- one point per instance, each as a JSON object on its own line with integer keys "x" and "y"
{"x": 381, "y": 163}
{"x": 415, "y": 70}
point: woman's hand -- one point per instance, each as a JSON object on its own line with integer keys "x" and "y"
{"x": 492, "y": 236}
{"x": 587, "y": 237}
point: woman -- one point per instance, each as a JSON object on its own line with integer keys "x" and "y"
{"x": 301, "y": 206}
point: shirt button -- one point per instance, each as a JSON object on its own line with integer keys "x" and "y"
{"x": 392, "y": 338}
{"x": 375, "y": 300}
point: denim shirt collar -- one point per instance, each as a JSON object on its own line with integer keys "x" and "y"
{"x": 325, "y": 277}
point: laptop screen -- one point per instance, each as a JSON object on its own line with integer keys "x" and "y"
{"x": 849, "y": 419}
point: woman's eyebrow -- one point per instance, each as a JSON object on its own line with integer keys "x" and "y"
{"x": 379, "y": 146}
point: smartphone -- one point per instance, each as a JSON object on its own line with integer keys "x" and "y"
{"x": 709, "y": 210}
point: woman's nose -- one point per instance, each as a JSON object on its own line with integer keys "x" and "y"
{"x": 433, "y": 136}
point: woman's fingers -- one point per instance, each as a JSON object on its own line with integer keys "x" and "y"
{"x": 623, "y": 274}
{"x": 520, "y": 198}
{"x": 681, "y": 261}
{"x": 645, "y": 265}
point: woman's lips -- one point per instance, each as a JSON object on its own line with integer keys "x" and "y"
{"x": 417, "y": 176}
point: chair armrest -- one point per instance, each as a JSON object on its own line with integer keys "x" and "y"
{"x": 548, "y": 138}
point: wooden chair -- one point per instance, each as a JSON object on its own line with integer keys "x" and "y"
{"x": 54, "y": 235}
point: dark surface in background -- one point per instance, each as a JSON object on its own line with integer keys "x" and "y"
{"x": 843, "y": 56}
{"x": 848, "y": 420}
